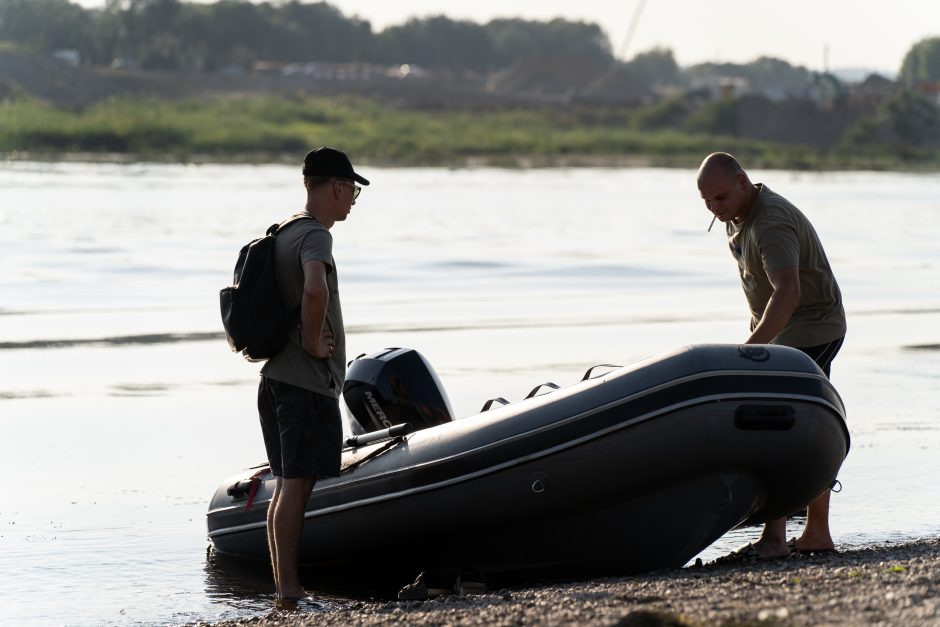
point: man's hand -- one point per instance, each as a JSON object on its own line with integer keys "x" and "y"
{"x": 316, "y": 339}
{"x": 324, "y": 347}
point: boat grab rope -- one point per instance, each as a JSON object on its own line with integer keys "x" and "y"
{"x": 250, "y": 487}
{"x": 489, "y": 404}
{"x": 547, "y": 384}
{"x": 587, "y": 375}
{"x": 359, "y": 462}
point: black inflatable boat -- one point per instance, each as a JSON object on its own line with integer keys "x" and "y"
{"x": 631, "y": 470}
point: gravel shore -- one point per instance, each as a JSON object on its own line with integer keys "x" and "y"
{"x": 886, "y": 585}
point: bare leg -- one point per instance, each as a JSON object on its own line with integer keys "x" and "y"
{"x": 816, "y": 536}
{"x": 773, "y": 540}
{"x": 288, "y": 521}
{"x": 272, "y": 547}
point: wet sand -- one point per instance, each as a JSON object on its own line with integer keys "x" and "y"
{"x": 888, "y": 585}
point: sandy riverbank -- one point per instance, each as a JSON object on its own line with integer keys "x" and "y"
{"x": 887, "y": 585}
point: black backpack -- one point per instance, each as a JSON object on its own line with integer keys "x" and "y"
{"x": 255, "y": 318}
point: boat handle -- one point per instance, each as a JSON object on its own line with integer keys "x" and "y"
{"x": 764, "y": 417}
{"x": 547, "y": 384}
{"x": 587, "y": 375}
{"x": 392, "y": 432}
{"x": 239, "y": 489}
{"x": 489, "y": 404}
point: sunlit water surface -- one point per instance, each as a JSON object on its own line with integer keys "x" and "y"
{"x": 121, "y": 408}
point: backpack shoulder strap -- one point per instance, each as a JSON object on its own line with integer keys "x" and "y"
{"x": 274, "y": 229}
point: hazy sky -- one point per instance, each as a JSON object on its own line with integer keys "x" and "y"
{"x": 873, "y": 34}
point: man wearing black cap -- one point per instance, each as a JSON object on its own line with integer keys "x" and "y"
{"x": 300, "y": 385}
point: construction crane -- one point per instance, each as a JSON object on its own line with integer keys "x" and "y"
{"x": 634, "y": 21}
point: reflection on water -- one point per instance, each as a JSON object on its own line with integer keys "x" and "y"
{"x": 139, "y": 389}
{"x": 238, "y": 584}
{"x": 247, "y": 584}
{"x": 153, "y": 338}
{"x": 21, "y": 394}
{"x": 122, "y": 408}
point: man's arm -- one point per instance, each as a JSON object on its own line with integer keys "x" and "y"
{"x": 317, "y": 341}
{"x": 780, "y": 307}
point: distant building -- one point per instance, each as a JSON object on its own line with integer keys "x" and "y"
{"x": 328, "y": 71}
{"x": 123, "y": 63}
{"x": 406, "y": 70}
{"x": 721, "y": 87}
{"x": 268, "y": 68}
{"x": 869, "y": 94}
{"x": 69, "y": 56}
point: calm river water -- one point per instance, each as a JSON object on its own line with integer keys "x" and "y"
{"x": 121, "y": 408}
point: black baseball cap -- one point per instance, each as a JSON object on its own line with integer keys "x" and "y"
{"x": 330, "y": 162}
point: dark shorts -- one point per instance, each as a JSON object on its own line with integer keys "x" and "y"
{"x": 303, "y": 432}
{"x": 824, "y": 353}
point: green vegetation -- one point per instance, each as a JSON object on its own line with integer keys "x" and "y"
{"x": 180, "y": 35}
{"x": 274, "y": 128}
{"x": 508, "y": 92}
{"x": 921, "y": 64}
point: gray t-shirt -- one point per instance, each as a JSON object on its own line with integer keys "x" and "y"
{"x": 775, "y": 236}
{"x": 298, "y": 243}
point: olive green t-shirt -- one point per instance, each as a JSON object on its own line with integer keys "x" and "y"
{"x": 775, "y": 236}
{"x": 300, "y": 242}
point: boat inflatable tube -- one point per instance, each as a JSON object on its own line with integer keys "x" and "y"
{"x": 632, "y": 469}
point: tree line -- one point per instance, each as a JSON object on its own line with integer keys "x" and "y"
{"x": 178, "y": 35}
{"x": 552, "y": 57}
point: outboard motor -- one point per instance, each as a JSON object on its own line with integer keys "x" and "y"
{"x": 395, "y": 386}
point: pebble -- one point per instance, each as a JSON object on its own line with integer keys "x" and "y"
{"x": 833, "y": 590}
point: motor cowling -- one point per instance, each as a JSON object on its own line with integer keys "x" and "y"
{"x": 395, "y": 386}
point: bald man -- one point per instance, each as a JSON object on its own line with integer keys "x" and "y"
{"x": 794, "y": 301}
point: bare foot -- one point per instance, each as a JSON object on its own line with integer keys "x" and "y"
{"x": 769, "y": 550}
{"x": 289, "y": 605}
{"x": 805, "y": 544}
{"x": 289, "y": 600}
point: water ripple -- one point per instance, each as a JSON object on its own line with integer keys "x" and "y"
{"x": 121, "y": 340}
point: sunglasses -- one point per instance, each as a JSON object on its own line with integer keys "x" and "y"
{"x": 356, "y": 188}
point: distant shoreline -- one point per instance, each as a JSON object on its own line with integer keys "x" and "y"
{"x": 254, "y": 129}
{"x": 511, "y": 162}
{"x": 521, "y": 162}
{"x": 894, "y": 584}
